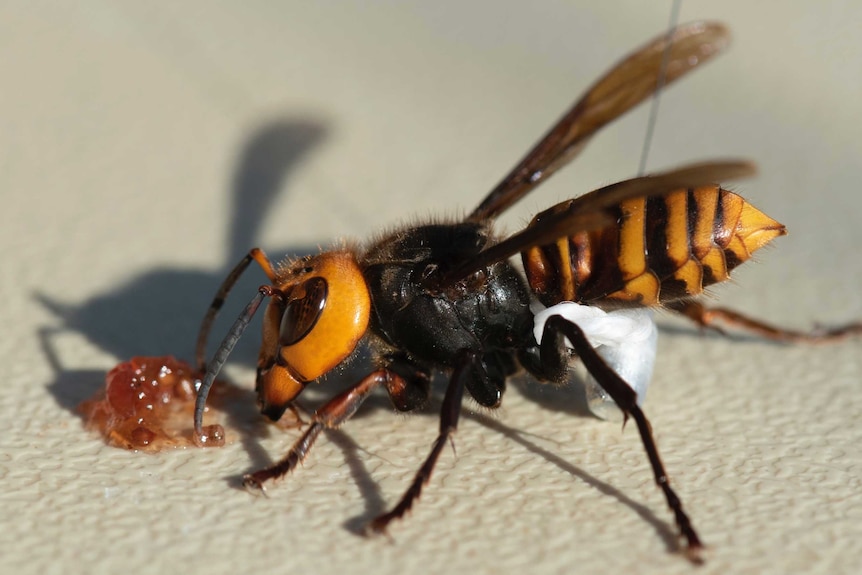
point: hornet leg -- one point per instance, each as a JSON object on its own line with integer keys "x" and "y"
{"x": 338, "y": 410}
{"x": 707, "y": 318}
{"x": 466, "y": 362}
{"x": 552, "y": 345}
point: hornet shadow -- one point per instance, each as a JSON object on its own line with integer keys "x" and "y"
{"x": 158, "y": 312}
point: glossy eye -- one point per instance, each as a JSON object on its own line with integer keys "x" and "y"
{"x": 302, "y": 311}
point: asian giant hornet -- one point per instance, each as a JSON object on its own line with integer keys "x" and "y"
{"x": 445, "y": 297}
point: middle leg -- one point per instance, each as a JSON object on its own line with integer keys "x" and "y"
{"x": 466, "y": 364}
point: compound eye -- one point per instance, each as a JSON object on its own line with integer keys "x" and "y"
{"x": 302, "y": 311}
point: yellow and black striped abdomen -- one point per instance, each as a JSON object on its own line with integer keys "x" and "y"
{"x": 660, "y": 249}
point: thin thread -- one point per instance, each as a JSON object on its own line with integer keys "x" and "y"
{"x": 653, "y": 113}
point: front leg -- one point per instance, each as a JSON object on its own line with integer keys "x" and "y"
{"x": 336, "y": 411}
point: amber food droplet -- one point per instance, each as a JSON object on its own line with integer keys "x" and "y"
{"x": 211, "y": 436}
{"x": 148, "y": 404}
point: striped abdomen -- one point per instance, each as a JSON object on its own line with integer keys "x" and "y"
{"x": 660, "y": 249}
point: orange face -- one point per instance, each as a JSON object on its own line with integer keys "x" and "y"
{"x": 314, "y": 324}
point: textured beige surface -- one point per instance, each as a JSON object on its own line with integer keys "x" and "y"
{"x": 129, "y": 133}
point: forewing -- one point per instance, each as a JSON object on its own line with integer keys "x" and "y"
{"x": 590, "y": 211}
{"x": 627, "y": 84}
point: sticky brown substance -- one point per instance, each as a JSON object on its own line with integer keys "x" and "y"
{"x": 148, "y": 405}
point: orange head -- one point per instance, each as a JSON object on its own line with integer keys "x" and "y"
{"x": 314, "y": 321}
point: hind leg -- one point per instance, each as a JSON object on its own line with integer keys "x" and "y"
{"x": 708, "y": 317}
{"x": 552, "y": 347}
